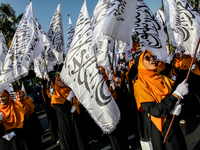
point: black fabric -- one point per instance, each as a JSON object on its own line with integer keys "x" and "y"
{"x": 119, "y": 137}
{"x": 18, "y": 142}
{"x": 35, "y": 130}
{"x": 161, "y": 109}
{"x": 118, "y": 141}
{"x": 175, "y": 139}
{"x": 65, "y": 129}
{"x": 192, "y": 100}
{"x": 51, "y": 115}
{"x": 132, "y": 75}
{"x": 95, "y": 132}
{"x": 167, "y": 69}
{"x": 80, "y": 127}
{"x": 72, "y": 131}
{"x": 137, "y": 57}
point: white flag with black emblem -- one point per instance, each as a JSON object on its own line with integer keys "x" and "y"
{"x": 47, "y": 59}
{"x": 11, "y": 91}
{"x": 114, "y": 18}
{"x": 104, "y": 50}
{"x": 70, "y": 34}
{"x": 81, "y": 73}
{"x": 26, "y": 45}
{"x": 3, "y": 50}
{"x": 183, "y": 25}
{"x": 149, "y": 31}
{"x": 160, "y": 16}
{"x": 38, "y": 68}
{"x": 55, "y": 35}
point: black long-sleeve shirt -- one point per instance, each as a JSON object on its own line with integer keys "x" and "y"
{"x": 160, "y": 109}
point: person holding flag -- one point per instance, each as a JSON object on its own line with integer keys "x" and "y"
{"x": 192, "y": 100}
{"x": 12, "y": 124}
{"x": 51, "y": 113}
{"x": 157, "y": 103}
{"x": 33, "y": 123}
{"x": 118, "y": 139}
{"x": 71, "y": 133}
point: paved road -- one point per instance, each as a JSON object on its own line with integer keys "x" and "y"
{"x": 191, "y": 132}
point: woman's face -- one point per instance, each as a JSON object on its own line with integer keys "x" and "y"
{"x": 102, "y": 70}
{"x": 3, "y": 99}
{"x": 149, "y": 61}
{"x": 60, "y": 83}
{"x": 19, "y": 96}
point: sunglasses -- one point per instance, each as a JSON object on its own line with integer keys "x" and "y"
{"x": 149, "y": 57}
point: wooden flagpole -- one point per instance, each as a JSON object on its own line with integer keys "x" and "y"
{"x": 185, "y": 82}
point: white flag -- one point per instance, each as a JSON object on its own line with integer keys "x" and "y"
{"x": 150, "y": 33}
{"x": 70, "y": 34}
{"x": 46, "y": 60}
{"x": 11, "y": 91}
{"x": 160, "y": 16}
{"x": 38, "y": 69}
{"x": 104, "y": 50}
{"x": 3, "y": 50}
{"x": 114, "y": 18}
{"x": 55, "y": 35}
{"x": 26, "y": 45}
{"x": 81, "y": 73}
{"x": 23, "y": 88}
{"x": 183, "y": 25}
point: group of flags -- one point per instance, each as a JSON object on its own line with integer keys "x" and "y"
{"x": 94, "y": 42}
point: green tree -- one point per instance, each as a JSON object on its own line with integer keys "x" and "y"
{"x": 194, "y": 4}
{"x": 8, "y": 21}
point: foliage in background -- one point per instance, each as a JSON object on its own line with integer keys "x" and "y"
{"x": 8, "y": 21}
{"x": 194, "y": 4}
{"x": 134, "y": 37}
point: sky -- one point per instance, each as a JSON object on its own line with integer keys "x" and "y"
{"x": 44, "y": 10}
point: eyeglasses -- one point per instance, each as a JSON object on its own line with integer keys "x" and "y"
{"x": 149, "y": 57}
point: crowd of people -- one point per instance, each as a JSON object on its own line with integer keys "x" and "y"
{"x": 145, "y": 89}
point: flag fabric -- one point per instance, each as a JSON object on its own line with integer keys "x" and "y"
{"x": 112, "y": 23}
{"x": 81, "y": 74}
{"x": 182, "y": 25}
{"x": 23, "y": 88}
{"x": 114, "y": 18}
{"x": 47, "y": 59}
{"x": 104, "y": 51}
{"x": 26, "y": 45}
{"x": 150, "y": 33}
{"x": 107, "y": 51}
{"x": 55, "y": 35}
{"x": 160, "y": 16}
{"x": 3, "y": 50}
{"x": 11, "y": 91}
{"x": 122, "y": 48}
{"x": 38, "y": 68}
{"x": 70, "y": 34}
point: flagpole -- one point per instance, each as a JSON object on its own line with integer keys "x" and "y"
{"x": 46, "y": 65}
{"x": 165, "y": 29}
{"x": 185, "y": 82}
{"x": 113, "y": 60}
